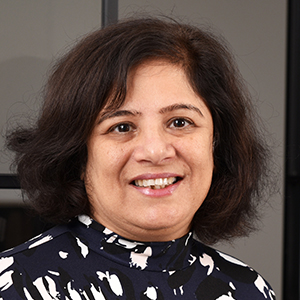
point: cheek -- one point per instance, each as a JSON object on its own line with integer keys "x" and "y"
{"x": 201, "y": 161}
{"x": 197, "y": 150}
{"x": 115, "y": 158}
{"x": 107, "y": 159}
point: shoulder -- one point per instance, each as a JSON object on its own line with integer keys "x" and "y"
{"x": 34, "y": 254}
{"x": 23, "y": 268}
{"x": 25, "y": 259}
{"x": 36, "y": 241}
{"x": 241, "y": 280}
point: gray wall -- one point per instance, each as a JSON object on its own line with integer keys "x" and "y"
{"x": 34, "y": 32}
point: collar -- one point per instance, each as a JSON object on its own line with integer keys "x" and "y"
{"x": 155, "y": 256}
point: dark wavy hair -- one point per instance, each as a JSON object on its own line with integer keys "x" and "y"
{"x": 52, "y": 154}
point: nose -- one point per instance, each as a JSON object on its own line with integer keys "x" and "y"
{"x": 154, "y": 146}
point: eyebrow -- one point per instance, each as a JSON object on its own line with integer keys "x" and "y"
{"x": 117, "y": 113}
{"x": 170, "y": 108}
{"x": 178, "y": 106}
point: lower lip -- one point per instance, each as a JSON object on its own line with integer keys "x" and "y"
{"x": 167, "y": 191}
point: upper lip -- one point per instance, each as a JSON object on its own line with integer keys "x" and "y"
{"x": 147, "y": 176}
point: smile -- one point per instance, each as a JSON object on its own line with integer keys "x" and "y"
{"x": 155, "y": 184}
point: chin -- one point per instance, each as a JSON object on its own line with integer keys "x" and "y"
{"x": 161, "y": 223}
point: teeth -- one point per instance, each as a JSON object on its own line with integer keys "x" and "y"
{"x": 158, "y": 183}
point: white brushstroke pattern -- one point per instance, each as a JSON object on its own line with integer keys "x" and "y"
{"x": 53, "y": 273}
{"x": 52, "y": 287}
{"x": 111, "y": 239}
{"x": 26, "y": 293}
{"x": 84, "y": 249}
{"x": 5, "y": 262}
{"x": 207, "y": 261}
{"x": 140, "y": 259}
{"x": 226, "y": 297}
{"x": 192, "y": 259}
{"x": 232, "y": 259}
{"x": 181, "y": 290}
{"x": 41, "y": 241}
{"x": 107, "y": 231}
{"x": 272, "y": 295}
{"x": 63, "y": 254}
{"x": 97, "y": 294}
{"x": 232, "y": 285}
{"x": 35, "y": 237}
{"x": 188, "y": 237}
{"x": 261, "y": 285}
{"x": 128, "y": 244}
{"x": 73, "y": 293}
{"x": 151, "y": 293}
{"x": 6, "y": 280}
{"x": 114, "y": 282}
{"x": 42, "y": 289}
{"x": 86, "y": 220}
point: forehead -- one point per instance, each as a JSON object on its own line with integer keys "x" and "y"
{"x": 159, "y": 82}
{"x": 157, "y": 87}
{"x": 155, "y": 69}
{"x": 156, "y": 76}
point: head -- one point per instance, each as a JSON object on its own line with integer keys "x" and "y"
{"x": 94, "y": 78}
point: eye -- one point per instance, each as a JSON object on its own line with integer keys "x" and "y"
{"x": 180, "y": 123}
{"x": 121, "y": 128}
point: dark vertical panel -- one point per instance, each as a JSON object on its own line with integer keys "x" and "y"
{"x": 9, "y": 181}
{"x": 17, "y": 225}
{"x": 291, "y": 278}
{"x": 109, "y": 12}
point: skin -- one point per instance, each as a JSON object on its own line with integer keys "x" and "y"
{"x": 163, "y": 129}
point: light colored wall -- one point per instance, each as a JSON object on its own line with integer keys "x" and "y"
{"x": 34, "y": 32}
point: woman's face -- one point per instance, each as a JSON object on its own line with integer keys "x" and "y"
{"x": 150, "y": 162}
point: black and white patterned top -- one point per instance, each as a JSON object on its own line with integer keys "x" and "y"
{"x": 84, "y": 260}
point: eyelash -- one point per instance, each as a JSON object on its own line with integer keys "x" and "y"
{"x": 188, "y": 122}
{"x": 132, "y": 127}
{"x": 115, "y": 127}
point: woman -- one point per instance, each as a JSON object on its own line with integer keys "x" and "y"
{"x": 146, "y": 136}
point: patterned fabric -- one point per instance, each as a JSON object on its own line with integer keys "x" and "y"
{"x": 84, "y": 260}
